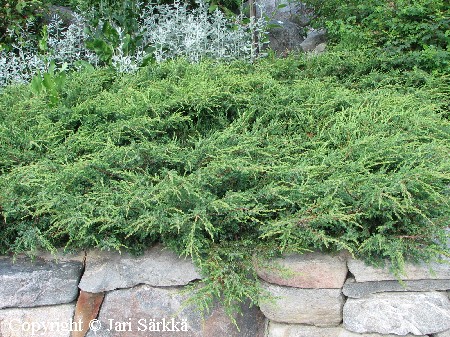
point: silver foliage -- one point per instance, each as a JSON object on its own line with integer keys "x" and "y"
{"x": 172, "y": 30}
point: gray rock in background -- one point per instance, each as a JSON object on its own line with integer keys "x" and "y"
{"x": 290, "y": 19}
{"x": 26, "y": 283}
{"x": 157, "y": 267}
{"x": 398, "y": 313}
{"x": 365, "y": 273}
{"x": 309, "y": 270}
{"x": 320, "y": 307}
{"x": 285, "y": 37}
{"x": 50, "y": 321}
{"x": 313, "y": 39}
{"x": 144, "y": 307}
{"x": 295, "y": 12}
{"x": 295, "y": 330}
{"x": 65, "y": 14}
{"x": 360, "y": 289}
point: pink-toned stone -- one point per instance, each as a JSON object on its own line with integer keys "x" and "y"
{"x": 310, "y": 270}
{"x": 88, "y": 306}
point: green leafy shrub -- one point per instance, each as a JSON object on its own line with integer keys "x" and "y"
{"x": 417, "y": 32}
{"x": 17, "y": 15}
{"x": 223, "y": 161}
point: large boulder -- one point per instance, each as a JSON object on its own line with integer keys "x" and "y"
{"x": 288, "y": 21}
{"x": 285, "y": 36}
{"x": 284, "y": 10}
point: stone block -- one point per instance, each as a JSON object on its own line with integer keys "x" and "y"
{"x": 107, "y": 271}
{"x": 311, "y": 270}
{"x": 145, "y": 311}
{"x": 26, "y": 283}
{"x": 54, "y": 321}
{"x": 319, "y": 307}
{"x": 295, "y": 330}
{"x": 419, "y": 313}
{"x": 433, "y": 271}
{"x": 360, "y": 289}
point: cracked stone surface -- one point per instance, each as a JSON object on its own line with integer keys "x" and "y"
{"x": 419, "y": 313}
{"x": 26, "y": 283}
{"x": 107, "y": 271}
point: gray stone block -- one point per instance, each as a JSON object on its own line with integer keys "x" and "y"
{"x": 26, "y": 283}
{"x": 360, "y": 289}
{"x": 398, "y": 313}
{"x": 145, "y": 311}
{"x": 295, "y": 330}
{"x": 107, "y": 271}
{"x": 432, "y": 271}
{"x": 320, "y": 307}
{"x": 51, "y": 321}
{"x": 311, "y": 270}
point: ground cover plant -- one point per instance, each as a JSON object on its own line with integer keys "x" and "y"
{"x": 223, "y": 161}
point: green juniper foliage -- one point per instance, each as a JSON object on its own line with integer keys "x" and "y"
{"x": 223, "y": 161}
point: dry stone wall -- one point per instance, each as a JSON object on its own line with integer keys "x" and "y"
{"x": 108, "y": 294}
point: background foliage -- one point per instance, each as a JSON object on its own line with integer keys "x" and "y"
{"x": 417, "y": 33}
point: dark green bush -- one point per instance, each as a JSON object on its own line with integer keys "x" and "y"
{"x": 16, "y": 15}
{"x": 220, "y": 162}
{"x": 416, "y": 32}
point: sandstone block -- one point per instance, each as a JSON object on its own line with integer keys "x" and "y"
{"x": 157, "y": 267}
{"x": 360, "y": 289}
{"x": 26, "y": 283}
{"x": 311, "y": 270}
{"x": 433, "y": 271}
{"x": 398, "y": 313}
{"x": 320, "y": 307}
{"x": 87, "y": 308}
{"x": 54, "y": 321}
